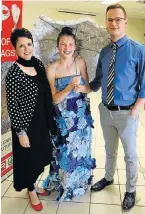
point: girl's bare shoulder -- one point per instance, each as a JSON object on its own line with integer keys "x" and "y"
{"x": 52, "y": 67}
{"x": 79, "y": 60}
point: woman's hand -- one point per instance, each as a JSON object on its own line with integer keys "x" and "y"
{"x": 79, "y": 89}
{"x": 82, "y": 89}
{"x": 24, "y": 141}
{"x": 76, "y": 81}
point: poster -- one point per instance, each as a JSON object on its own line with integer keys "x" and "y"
{"x": 6, "y": 141}
{"x": 6, "y": 151}
{"x": 11, "y": 18}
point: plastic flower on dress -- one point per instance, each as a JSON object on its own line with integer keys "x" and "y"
{"x": 79, "y": 103}
{"x": 78, "y": 176}
{"x": 69, "y": 122}
{"x": 62, "y": 125}
{"x": 63, "y": 163}
{"x": 73, "y": 146}
{"x": 71, "y": 114}
{"x": 72, "y": 163}
{"x": 61, "y": 106}
{"x": 71, "y": 137}
{"x": 89, "y": 119}
{"x": 82, "y": 123}
{"x": 80, "y": 113}
{"x": 84, "y": 147}
{"x": 78, "y": 192}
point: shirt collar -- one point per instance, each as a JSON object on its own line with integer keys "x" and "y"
{"x": 121, "y": 41}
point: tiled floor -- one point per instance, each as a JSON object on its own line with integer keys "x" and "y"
{"x": 107, "y": 201}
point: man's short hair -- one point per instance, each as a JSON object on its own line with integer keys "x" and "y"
{"x": 116, "y": 6}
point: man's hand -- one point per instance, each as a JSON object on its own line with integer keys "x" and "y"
{"x": 134, "y": 113}
{"x": 135, "y": 110}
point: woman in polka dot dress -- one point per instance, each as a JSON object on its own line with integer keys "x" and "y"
{"x": 29, "y": 103}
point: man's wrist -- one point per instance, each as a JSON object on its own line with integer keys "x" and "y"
{"x": 135, "y": 108}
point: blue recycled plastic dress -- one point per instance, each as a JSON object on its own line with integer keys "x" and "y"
{"x": 70, "y": 171}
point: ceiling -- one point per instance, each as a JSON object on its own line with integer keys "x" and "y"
{"x": 134, "y": 9}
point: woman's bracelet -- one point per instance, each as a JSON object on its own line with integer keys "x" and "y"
{"x": 21, "y": 133}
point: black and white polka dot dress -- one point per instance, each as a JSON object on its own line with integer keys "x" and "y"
{"x": 29, "y": 104}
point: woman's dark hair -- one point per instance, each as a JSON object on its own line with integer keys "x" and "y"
{"x": 116, "y": 6}
{"x": 20, "y": 32}
{"x": 66, "y": 31}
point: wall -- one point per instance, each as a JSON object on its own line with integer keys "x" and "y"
{"x": 136, "y": 29}
{"x": 32, "y": 10}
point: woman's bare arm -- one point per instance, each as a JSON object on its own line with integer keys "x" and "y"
{"x": 57, "y": 96}
{"x": 83, "y": 71}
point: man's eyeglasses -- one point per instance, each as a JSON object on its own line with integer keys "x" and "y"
{"x": 117, "y": 20}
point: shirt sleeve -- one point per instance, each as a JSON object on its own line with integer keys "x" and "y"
{"x": 141, "y": 67}
{"x": 12, "y": 96}
{"x": 96, "y": 83}
{"x": 50, "y": 112}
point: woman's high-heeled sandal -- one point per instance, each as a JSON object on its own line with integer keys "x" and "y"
{"x": 37, "y": 207}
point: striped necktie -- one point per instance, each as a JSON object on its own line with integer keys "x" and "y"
{"x": 110, "y": 97}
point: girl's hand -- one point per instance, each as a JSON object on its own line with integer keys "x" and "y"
{"x": 82, "y": 89}
{"x": 79, "y": 89}
{"x": 76, "y": 81}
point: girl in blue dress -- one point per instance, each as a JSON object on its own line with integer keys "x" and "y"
{"x": 70, "y": 171}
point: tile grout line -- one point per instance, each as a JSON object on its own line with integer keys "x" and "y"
{"x": 75, "y": 202}
{"x": 14, "y": 197}
{"x": 115, "y": 204}
{"x": 57, "y": 208}
{"x": 8, "y": 178}
{"x": 26, "y": 207}
{"x": 89, "y": 208}
{"x": 7, "y": 188}
{"x": 119, "y": 189}
{"x": 90, "y": 198}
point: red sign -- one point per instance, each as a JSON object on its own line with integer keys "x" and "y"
{"x": 6, "y": 163}
{"x": 11, "y": 18}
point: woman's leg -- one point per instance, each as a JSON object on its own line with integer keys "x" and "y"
{"x": 31, "y": 187}
{"x": 33, "y": 195}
